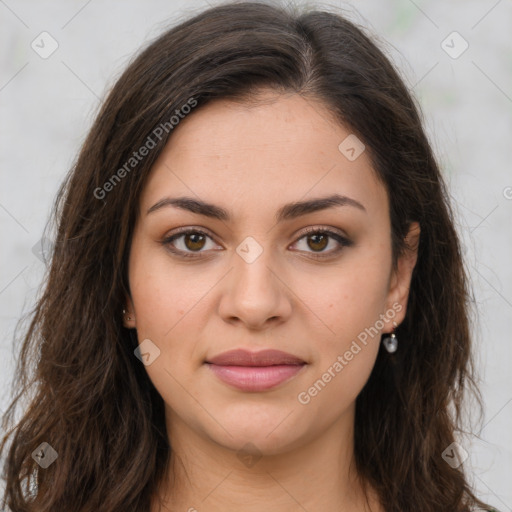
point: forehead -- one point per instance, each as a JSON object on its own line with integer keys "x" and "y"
{"x": 280, "y": 148}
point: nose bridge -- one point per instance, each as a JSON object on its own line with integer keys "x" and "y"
{"x": 253, "y": 273}
{"x": 255, "y": 293}
{"x": 253, "y": 264}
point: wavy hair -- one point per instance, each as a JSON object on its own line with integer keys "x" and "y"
{"x": 87, "y": 395}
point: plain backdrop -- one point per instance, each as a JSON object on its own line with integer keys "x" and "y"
{"x": 456, "y": 57}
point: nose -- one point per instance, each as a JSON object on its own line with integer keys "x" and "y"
{"x": 255, "y": 294}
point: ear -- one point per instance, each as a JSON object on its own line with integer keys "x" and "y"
{"x": 400, "y": 281}
{"x": 129, "y": 314}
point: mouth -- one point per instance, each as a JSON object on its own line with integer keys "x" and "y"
{"x": 255, "y": 371}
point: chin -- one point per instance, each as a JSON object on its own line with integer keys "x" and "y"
{"x": 270, "y": 436}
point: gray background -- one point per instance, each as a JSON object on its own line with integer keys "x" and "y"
{"x": 47, "y": 106}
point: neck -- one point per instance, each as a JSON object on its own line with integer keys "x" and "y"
{"x": 317, "y": 475}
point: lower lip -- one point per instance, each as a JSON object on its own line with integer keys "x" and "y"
{"x": 255, "y": 378}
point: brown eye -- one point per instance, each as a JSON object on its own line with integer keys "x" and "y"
{"x": 194, "y": 241}
{"x": 187, "y": 242}
{"x": 318, "y": 242}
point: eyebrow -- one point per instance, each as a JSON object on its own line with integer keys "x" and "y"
{"x": 287, "y": 212}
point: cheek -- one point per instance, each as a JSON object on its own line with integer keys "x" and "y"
{"x": 163, "y": 295}
{"x": 349, "y": 297}
{"x": 166, "y": 303}
{"x": 349, "y": 303}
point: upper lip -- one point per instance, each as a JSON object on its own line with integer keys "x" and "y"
{"x": 242, "y": 357}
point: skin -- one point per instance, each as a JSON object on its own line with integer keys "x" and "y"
{"x": 251, "y": 159}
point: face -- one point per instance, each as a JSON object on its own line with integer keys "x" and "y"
{"x": 259, "y": 271}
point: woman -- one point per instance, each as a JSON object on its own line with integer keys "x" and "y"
{"x": 256, "y": 283}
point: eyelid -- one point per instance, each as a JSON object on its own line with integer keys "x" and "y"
{"x": 323, "y": 229}
{"x": 189, "y": 229}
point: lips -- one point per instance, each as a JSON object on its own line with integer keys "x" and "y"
{"x": 246, "y": 358}
{"x": 255, "y": 371}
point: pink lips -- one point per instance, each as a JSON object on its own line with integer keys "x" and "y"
{"x": 255, "y": 371}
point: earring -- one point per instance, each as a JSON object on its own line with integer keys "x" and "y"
{"x": 390, "y": 342}
{"x": 128, "y": 317}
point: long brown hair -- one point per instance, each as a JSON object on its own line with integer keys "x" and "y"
{"x": 88, "y": 396}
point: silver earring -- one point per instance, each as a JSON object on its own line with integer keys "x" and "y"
{"x": 128, "y": 317}
{"x": 390, "y": 343}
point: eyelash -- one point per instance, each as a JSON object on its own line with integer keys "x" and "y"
{"x": 343, "y": 241}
